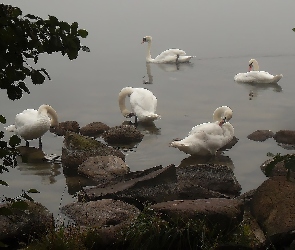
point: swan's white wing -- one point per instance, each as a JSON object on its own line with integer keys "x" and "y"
{"x": 170, "y": 55}
{"x": 143, "y": 102}
{"x": 210, "y": 127}
{"x": 256, "y": 76}
{"x": 28, "y": 116}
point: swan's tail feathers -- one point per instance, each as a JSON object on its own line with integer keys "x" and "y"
{"x": 177, "y": 144}
{"x": 154, "y": 117}
{"x": 10, "y": 128}
{"x": 277, "y": 78}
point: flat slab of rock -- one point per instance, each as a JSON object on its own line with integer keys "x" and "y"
{"x": 103, "y": 168}
{"x": 100, "y": 213}
{"x": 225, "y": 214}
{"x": 171, "y": 183}
{"x": 273, "y": 206}
{"x": 260, "y": 135}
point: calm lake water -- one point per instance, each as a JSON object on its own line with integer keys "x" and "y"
{"x": 223, "y": 35}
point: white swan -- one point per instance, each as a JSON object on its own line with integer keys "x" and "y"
{"x": 143, "y": 104}
{"x": 167, "y": 56}
{"x": 256, "y": 76}
{"x": 33, "y": 124}
{"x": 207, "y": 138}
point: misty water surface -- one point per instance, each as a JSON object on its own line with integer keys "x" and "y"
{"x": 223, "y": 35}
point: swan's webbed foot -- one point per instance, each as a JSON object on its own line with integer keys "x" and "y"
{"x": 177, "y": 57}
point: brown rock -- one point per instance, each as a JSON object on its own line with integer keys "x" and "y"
{"x": 285, "y": 136}
{"x": 222, "y": 214}
{"x": 260, "y": 135}
{"x": 273, "y": 207}
{"x": 94, "y": 129}
{"x": 63, "y": 127}
{"x": 124, "y": 134}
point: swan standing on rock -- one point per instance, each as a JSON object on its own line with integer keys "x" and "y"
{"x": 254, "y": 75}
{"x": 167, "y": 56}
{"x": 33, "y": 124}
{"x": 143, "y": 104}
{"x": 207, "y": 138}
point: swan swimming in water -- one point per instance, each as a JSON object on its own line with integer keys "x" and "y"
{"x": 167, "y": 56}
{"x": 33, "y": 124}
{"x": 256, "y": 76}
{"x": 207, "y": 138}
{"x": 143, "y": 104}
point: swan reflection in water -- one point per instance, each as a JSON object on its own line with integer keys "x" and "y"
{"x": 167, "y": 67}
{"x": 32, "y": 162}
{"x": 254, "y": 89}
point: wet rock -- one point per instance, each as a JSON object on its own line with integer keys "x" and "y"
{"x": 260, "y": 135}
{"x": 94, "y": 129}
{"x": 24, "y": 224}
{"x": 223, "y": 214}
{"x": 123, "y": 134}
{"x": 63, "y": 127}
{"x": 285, "y": 136}
{"x": 278, "y": 170}
{"x": 230, "y": 144}
{"x": 273, "y": 206}
{"x": 78, "y": 148}
{"x": 31, "y": 154}
{"x": 170, "y": 183}
{"x": 103, "y": 168}
{"x": 100, "y": 213}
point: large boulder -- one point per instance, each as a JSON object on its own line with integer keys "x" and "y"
{"x": 222, "y": 214}
{"x": 285, "y": 136}
{"x": 273, "y": 206}
{"x": 23, "y": 222}
{"x": 63, "y": 127}
{"x": 94, "y": 129}
{"x": 103, "y": 168}
{"x": 78, "y": 148}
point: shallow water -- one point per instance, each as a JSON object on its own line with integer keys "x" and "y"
{"x": 223, "y": 36}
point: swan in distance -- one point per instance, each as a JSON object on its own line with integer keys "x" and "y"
{"x": 167, "y": 56}
{"x": 256, "y": 76}
{"x": 143, "y": 104}
{"x": 207, "y": 138}
{"x": 33, "y": 124}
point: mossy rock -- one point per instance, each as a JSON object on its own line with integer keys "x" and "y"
{"x": 123, "y": 134}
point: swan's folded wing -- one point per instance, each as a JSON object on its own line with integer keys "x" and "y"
{"x": 26, "y": 117}
{"x": 209, "y": 127}
{"x": 170, "y": 55}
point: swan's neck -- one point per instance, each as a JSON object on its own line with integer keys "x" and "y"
{"x": 48, "y": 110}
{"x": 255, "y": 66}
{"x": 221, "y": 113}
{"x": 122, "y": 96}
{"x": 148, "y": 53}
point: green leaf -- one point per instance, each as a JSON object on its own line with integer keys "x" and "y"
{"x": 31, "y": 16}
{"x": 14, "y": 141}
{"x": 23, "y": 86}
{"x": 83, "y": 33}
{"x": 33, "y": 191}
{"x": 85, "y": 48}
{"x": 65, "y": 26}
{"x": 3, "y": 245}
{"x": 26, "y": 196}
{"x": 2, "y": 119}
{"x": 5, "y": 211}
{"x": 293, "y": 29}
{"x": 37, "y": 77}
{"x": 20, "y": 205}
{"x": 3, "y": 183}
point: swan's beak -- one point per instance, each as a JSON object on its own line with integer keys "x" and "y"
{"x": 250, "y": 66}
{"x": 222, "y": 122}
{"x": 143, "y": 40}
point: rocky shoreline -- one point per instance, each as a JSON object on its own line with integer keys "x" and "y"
{"x": 189, "y": 192}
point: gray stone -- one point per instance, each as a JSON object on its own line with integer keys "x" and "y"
{"x": 103, "y": 168}
{"x": 102, "y": 213}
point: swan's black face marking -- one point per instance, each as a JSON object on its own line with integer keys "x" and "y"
{"x": 144, "y": 40}
{"x": 251, "y": 64}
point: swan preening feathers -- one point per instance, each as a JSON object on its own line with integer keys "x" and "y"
{"x": 167, "y": 56}
{"x": 33, "y": 124}
{"x": 256, "y": 76}
{"x": 207, "y": 138}
{"x": 143, "y": 104}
